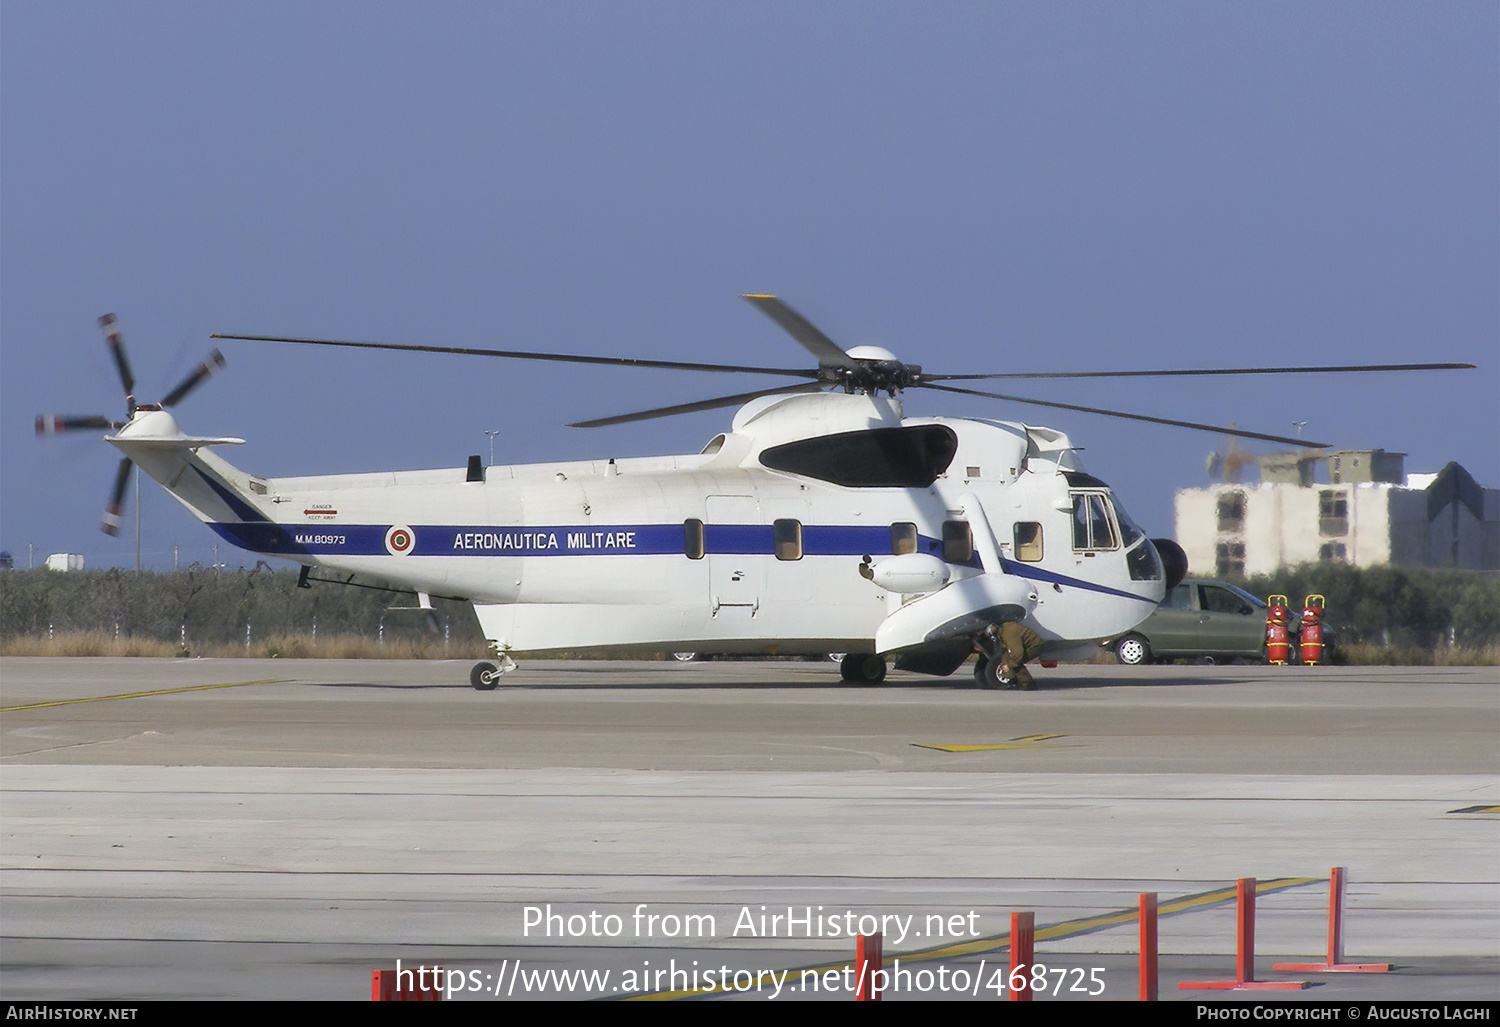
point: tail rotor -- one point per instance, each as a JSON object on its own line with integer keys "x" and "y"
{"x": 48, "y": 425}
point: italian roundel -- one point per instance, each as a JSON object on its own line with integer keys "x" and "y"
{"x": 400, "y": 540}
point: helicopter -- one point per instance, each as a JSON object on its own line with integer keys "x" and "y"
{"x": 823, "y": 520}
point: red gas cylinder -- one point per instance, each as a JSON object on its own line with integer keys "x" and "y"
{"x": 1278, "y": 639}
{"x": 1312, "y": 630}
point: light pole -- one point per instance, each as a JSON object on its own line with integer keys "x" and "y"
{"x": 492, "y": 435}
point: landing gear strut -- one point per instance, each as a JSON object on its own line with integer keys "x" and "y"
{"x": 485, "y": 676}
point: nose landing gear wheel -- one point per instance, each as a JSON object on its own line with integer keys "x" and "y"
{"x": 484, "y": 676}
{"x": 987, "y": 674}
{"x": 862, "y": 669}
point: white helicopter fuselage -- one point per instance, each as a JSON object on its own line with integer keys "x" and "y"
{"x": 819, "y": 522}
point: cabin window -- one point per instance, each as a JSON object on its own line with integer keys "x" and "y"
{"x": 692, "y": 539}
{"x": 958, "y": 542}
{"x": 875, "y": 458}
{"x": 1091, "y": 524}
{"x": 903, "y": 538}
{"x": 788, "y": 538}
{"x": 1028, "y": 535}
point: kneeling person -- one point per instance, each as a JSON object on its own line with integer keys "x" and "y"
{"x": 1019, "y": 645}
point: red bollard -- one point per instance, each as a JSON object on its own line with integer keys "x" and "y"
{"x": 1337, "y": 878}
{"x": 1022, "y": 954}
{"x": 1149, "y": 975}
{"x": 1278, "y": 638}
{"x": 1244, "y": 951}
{"x": 869, "y": 966}
{"x": 425, "y": 984}
{"x": 1312, "y": 630}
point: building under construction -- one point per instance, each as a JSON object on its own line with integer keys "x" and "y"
{"x": 1367, "y": 512}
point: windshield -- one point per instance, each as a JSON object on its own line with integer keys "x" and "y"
{"x": 1130, "y": 531}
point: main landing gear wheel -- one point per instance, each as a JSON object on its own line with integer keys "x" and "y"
{"x": 862, "y": 668}
{"x": 1132, "y": 650}
{"x": 987, "y": 674}
{"x": 484, "y": 676}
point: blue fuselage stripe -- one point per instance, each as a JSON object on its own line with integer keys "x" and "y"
{"x": 594, "y": 540}
{"x": 328, "y": 539}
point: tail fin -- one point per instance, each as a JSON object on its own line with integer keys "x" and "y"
{"x": 214, "y": 490}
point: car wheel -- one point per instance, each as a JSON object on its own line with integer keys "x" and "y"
{"x": 1132, "y": 650}
{"x": 684, "y": 657}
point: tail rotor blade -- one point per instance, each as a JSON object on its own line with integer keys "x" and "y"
{"x": 111, "y": 328}
{"x": 195, "y": 378}
{"x": 111, "y": 525}
{"x": 54, "y": 424}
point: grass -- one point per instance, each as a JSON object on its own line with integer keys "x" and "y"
{"x": 1368, "y": 655}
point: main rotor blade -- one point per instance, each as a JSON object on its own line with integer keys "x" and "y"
{"x": 563, "y": 358}
{"x": 110, "y": 325}
{"x": 1300, "y": 443}
{"x": 690, "y": 408}
{"x": 196, "y": 377}
{"x": 111, "y": 525}
{"x": 1204, "y": 371}
{"x": 829, "y": 353}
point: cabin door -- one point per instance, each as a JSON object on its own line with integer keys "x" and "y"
{"x": 735, "y": 564}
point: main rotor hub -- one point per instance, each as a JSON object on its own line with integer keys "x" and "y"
{"x": 875, "y": 369}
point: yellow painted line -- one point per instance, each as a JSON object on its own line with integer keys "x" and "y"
{"x": 1477, "y": 809}
{"x": 141, "y": 695}
{"x": 1025, "y": 744}
{"x": 995, "y": 942}
{"x": 972, "y": 748}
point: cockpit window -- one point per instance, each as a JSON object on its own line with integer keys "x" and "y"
{"x": 1144, "y": 562}
{"x": 878, "y": 458}
{"x": 1092, "y": 528}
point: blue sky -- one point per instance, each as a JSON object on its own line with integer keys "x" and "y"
{"x": 979, "y": 187}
